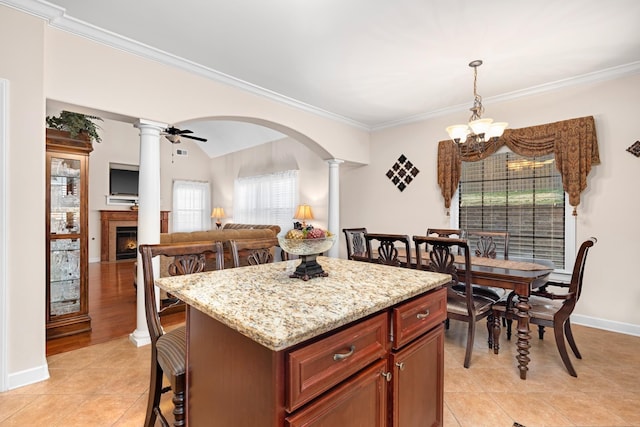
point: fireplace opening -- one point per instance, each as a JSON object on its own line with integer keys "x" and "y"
{"x": 126, "y": 242}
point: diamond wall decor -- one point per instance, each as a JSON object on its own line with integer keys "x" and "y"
{"x": 635, "y": 149}
{"x": 402, "y": 173}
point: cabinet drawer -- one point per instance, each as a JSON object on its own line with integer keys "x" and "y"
{"x": 413, "y": 318}
{"x": 315, "y": 368}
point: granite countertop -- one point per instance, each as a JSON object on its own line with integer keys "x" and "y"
{"x": 264, "y": 304}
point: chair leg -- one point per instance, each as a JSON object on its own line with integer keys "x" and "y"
{"x": 155, "y": 392}
{"x": 509, "y": 324}
{"x": 178, "y": 407}
{"x": 569, "y": 334}
{"x": 540, "y": 332}
{"x": 470, "y": 336}
{"x": 558, "y": 332}
{"x": 446, "y": 323}
{"x": 490, "y": 330}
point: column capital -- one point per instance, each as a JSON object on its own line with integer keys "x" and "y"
{"x": 150, "y": 124}
{"x": 335, "y": 161}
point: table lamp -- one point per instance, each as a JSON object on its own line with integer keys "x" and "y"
{"x": 303, "y": 213}
{"x": 217, "y": 214}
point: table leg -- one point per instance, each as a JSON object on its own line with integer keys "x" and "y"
{"x": 524, "y": 335}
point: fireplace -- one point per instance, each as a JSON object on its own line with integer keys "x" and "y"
{"x": 111, "y": 220}
{"x": 126, "y": 242}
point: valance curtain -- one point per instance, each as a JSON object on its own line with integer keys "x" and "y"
{"x": 573, "y": 143}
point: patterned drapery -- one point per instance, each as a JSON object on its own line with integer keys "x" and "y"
{"x": 573, "y": 143}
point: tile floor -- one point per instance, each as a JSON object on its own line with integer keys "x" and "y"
{"x": 106, "y": 385}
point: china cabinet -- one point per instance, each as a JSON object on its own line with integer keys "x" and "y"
{"x": 67, "y": 302}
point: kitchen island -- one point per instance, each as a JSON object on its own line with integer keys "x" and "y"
{"x": 264, "y": 349}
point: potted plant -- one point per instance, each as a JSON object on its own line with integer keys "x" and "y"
{"x": 76, "y": 124}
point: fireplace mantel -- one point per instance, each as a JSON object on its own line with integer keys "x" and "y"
{"x": 109, "y": 220}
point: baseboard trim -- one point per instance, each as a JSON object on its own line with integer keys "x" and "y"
{"x": 607, "y": 325}
{"x": 29, "y": 376}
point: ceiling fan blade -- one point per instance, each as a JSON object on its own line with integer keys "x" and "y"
{"x": 195, "y": 137}
{"x": 182, "y": 132}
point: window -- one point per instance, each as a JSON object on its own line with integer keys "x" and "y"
{"x": 266, "y": 199}
{"x": 523, "y": 196}
{"x": 191, "y": 206}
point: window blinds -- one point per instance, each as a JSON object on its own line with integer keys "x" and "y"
{"x": 523, "y": 196}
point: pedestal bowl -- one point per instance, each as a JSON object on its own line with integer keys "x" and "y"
{"x": 307, "y": 250}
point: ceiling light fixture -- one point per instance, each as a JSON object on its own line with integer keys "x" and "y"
{"x": 473, "y": 135}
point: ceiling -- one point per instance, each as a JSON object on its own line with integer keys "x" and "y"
{"x": 372, "y": 63}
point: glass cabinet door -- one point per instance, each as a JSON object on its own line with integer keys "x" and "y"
{"x": 65, "y": 196}
{"x": 64, "y": 277}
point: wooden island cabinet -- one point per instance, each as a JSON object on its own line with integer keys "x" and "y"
{"x": 362, "y": 347}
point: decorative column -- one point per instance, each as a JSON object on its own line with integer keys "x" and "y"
{"x": 334, "y": 203}
{"x": 148, "y": 215}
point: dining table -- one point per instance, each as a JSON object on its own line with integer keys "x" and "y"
{"x": 518, "y": 274}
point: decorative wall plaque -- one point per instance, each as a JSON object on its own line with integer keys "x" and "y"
{"x": 402, "y": 173}
{"x": 635, "y": 149}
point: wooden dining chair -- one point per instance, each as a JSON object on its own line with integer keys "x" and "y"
{"x": 356, "y": 247}
{"x": 168, "y": 350}
{"x": 489, "y": 244}
{"x": 383, "y": 249}
{"x": 252, "y": 251}
{"x": 455, "y": 233}
{"x": 464, "y": 306}
{"x": 549, "y": 309}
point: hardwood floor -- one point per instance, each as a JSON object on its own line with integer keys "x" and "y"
{"x": 112, "y": 307}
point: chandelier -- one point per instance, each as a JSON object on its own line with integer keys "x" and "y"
{"x": 473, "y": 135}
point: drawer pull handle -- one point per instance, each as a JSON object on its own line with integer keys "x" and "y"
{"x": 423, "y": 315}
{"x": 340, "y": 356}
{"x": 400, "y": 365}
{"x": 386, "y": 375}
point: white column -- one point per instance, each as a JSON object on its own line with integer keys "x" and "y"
{"x": 334, "y": 202}
{"x": 148, "y": 213}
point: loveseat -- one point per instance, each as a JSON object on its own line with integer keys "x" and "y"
{"x": 228, "y": 232}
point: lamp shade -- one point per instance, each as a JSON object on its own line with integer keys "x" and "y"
{"x": 304, "y": 213}
{"x": 217, "y": 213}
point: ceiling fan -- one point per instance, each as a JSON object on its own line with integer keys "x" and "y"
{"x": 174, "y": 134}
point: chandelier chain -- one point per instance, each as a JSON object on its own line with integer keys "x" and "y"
{"x": 477, "y": 109}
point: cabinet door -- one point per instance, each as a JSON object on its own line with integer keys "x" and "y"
{"x": 417, "y": 388}
{"x": 357, "y": 402}
{"x": 67, "y": 310}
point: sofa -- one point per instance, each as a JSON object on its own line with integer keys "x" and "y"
{"x": 230, "y": 231}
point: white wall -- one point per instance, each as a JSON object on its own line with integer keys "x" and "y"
{"x": 608, "y": 209}
{"x": 22, "y": 65}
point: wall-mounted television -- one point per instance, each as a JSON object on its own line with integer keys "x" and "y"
{"x": 123, "y": 180}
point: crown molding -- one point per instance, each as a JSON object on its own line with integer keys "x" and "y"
{"x": 602, "y": 75}
{"x": 57, "y": 18}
